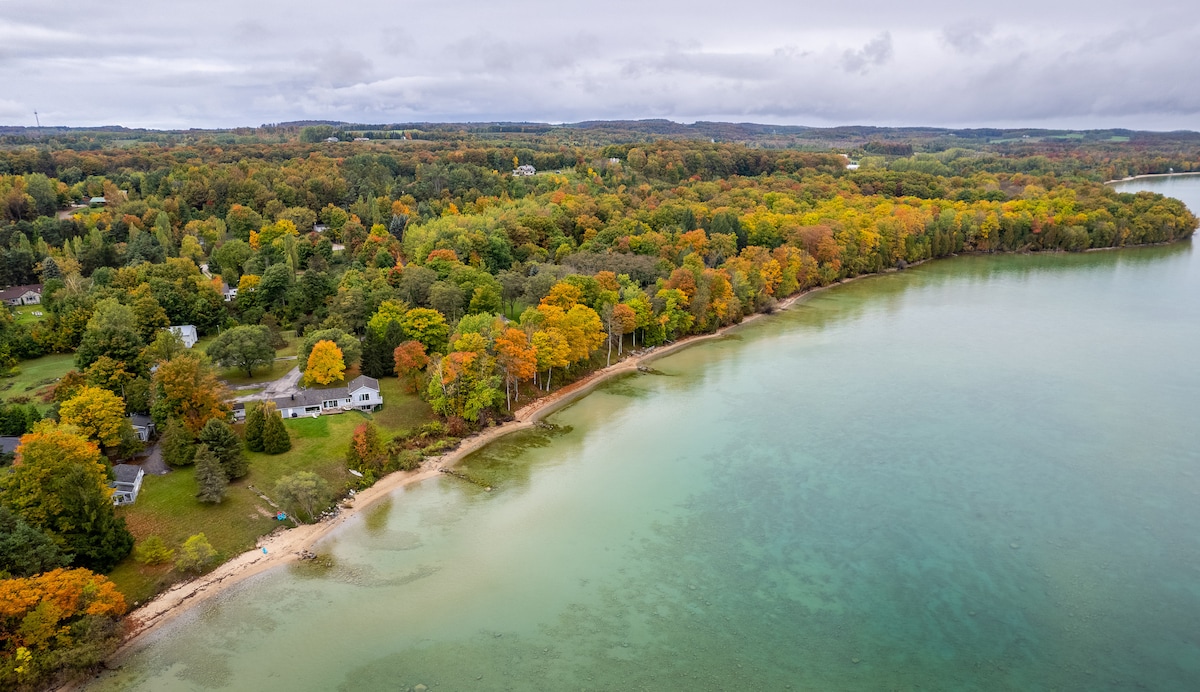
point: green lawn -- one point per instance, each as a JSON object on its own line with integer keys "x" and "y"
{"x": 293, "y": 344}
{"x": 35, "y": 376}
{"x": 167, "y": 505}
{"x": 23, "y": 314}
{"x": 401, "y": 410}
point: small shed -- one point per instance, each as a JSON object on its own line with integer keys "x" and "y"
{"x": 127, "y": 485}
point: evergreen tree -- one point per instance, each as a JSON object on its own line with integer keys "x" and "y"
{"x": 255, "y": 418}
{"x": 224, "y": 442}
{"x": 275, "y": 439}
{"x": 177, "y": 444}
{"x": 376, "y": 358}
{"x": 210, "y": 479}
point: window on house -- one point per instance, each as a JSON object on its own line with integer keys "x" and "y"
{"x": 364, "y": 397}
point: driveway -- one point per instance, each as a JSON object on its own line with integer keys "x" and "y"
{"x": 287, "y": 385}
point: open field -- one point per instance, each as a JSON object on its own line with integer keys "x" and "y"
{"x": 35, "y": 377}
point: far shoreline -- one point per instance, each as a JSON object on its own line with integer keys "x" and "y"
{"x": 1149, "y": 175}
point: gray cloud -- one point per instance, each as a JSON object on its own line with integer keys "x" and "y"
{"x": 877, "y": 51}
{"x": 935, "y": 62}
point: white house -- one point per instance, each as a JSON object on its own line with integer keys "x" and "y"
{"x": 186, "y": 332}
{"x": 128, "y": 483}
{"x": 524, "y": 170}
{"x": 29, "y": 294}
{"x": 228, "y": 292}
{"x": 143, "y": 426}
{"x": 362, "y": 394}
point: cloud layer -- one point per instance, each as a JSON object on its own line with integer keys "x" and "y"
{"x": 931, "y": 62}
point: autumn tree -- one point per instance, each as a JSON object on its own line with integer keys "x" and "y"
{"x": 410, "y": 360}
{"x": 59, "y": 624}
{"x": 518, "y": 359}
{"x": 347, "y": 343}
{"x": 244, "y": 347}
{"x": 211, "y": 480}
{"x": 153, "y": 551}
{"x": 224, "y": 443}
{"x": 426, "y": 326}
{"x": 365, "y": 451}
{"x": 189, "y": 390}
{"x": 96, "y": 413}
{"x": 324, "y": 364}
{"x": 462, "y": 384}
{"x": 275, "y": 439}
{"x": 59, "y": 484}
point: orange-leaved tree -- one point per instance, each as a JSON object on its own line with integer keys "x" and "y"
{"x": 188, "y": 389}
{"x": 325, "y": 363}
{"x": 518, "y": 357}
{"x": 410, "y": 360}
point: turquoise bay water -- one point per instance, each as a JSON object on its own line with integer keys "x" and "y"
{"x": 981, "y": 473}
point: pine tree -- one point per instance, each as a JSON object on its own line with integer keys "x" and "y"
{"x": 177, "y": 443}
{"x": 255, "y": 418}
{"x": 275, "y": 439}
{"x": 224, "y": 442}
{"x": 376, "y": 356}
{"x": 210, "y": 479}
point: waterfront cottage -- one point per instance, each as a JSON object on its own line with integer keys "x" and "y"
{"x": 362, "y": 394}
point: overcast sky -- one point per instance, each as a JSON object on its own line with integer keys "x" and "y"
{"x": 218, "y": 63}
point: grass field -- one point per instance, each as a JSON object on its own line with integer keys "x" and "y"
{"x": 167, "y": 506}
{"x": 35, "y": 377}
{"x": 24, "y": 314}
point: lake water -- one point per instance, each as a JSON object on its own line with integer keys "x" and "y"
{"x": 979, "y": 474}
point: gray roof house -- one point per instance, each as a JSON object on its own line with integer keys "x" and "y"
{"x": 127, "y": 485}
{"x": 8, "y": 445}
{"x": 186, "y": 332}
{"x": 29, "y": 294}
{"x": 361, "y": 394}
{"x": 143, "y": 426}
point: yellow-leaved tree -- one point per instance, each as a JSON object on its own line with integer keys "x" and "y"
{"x": 325, "y": 363}
{"x": 97, "y": 413}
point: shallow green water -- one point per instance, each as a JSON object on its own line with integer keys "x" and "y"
{"x": 979, "y": 474}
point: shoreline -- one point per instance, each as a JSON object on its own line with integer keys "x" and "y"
{"x": 1149, "y": 175}
{"x": 283, "y": 546}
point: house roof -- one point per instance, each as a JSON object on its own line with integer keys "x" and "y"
{"x": 182, "y": 329}
{"x": 127, "y": 473}
{"x": 8, "y": 445}
{"x": 18, "y": 291}
{"x": 137, "y": 420}
{"x": 363, "y": 381}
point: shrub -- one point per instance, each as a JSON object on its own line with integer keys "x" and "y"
{"x": 153, "y": 551}
{"x": 196, "y": 555}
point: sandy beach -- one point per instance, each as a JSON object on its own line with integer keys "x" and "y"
{"x": 284, "y": 546}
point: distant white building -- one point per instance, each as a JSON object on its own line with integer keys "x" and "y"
{"x": 524, "y": 170}
{"x": 187, "y": 332}
{"x": 228, "y": 292}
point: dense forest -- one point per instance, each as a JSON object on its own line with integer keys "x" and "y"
{"x": 479, "y": 264}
